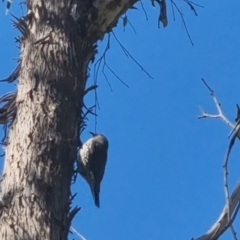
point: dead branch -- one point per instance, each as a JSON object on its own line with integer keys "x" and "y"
{"x": 218, "y": 105}
{"x": 146, "y": 16}
{"x": 183, "y": 20}
{"x": 222, "y": 224}
{"x": 127, "y": 21}
{"x": 14, "y": 76}
{"x": 226, "y": 187}
{"x": 225, "y": 221}
{"x": 128, "y": 54}
{"x": 102, "y": 61}
{"x": 93, "y": 87}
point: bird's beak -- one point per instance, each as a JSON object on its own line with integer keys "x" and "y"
{"x": 94, "y": 134}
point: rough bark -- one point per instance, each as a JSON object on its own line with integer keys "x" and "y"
{"x": 57, "y": 44}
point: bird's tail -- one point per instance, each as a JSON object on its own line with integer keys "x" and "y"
{"x": 95, "y": 189}
{"x": 96, "y": 199}
{"x": 95, "y": 193}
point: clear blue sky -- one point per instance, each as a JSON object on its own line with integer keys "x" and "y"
{"x": 164, "y": 177}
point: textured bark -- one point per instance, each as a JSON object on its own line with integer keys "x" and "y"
{"x": 57, "y": 45}
{"x": 43, "y": 138}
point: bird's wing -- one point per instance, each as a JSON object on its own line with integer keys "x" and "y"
{"x": 99, "y": 166}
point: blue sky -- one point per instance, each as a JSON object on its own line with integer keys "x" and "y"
{"x": 164, "y": 176}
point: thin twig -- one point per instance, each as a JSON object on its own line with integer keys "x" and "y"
{"x": 77, "y": 233}
{"x": 89, "y": 111}
{"x": 99, "y": 61}
{"x": 183, "y": 20}
{"x": 93, "y": 87}
{"x": 132, "y": 27}
{"x": 102, "y": 60}
{"x": 174, "y": 18}
{"x": 109, "y": 84}
{"x": 116, "y": 75}
{"x": 193, "y": 3}
{"x": 144, "y": 10}
{"x": 127, "y": 53}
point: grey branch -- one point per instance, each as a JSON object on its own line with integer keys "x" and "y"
{"x": 222, "y": 224}
{"x": 232, "y": 203}
{"x": 226, "y": 186}
{"x": 218, "y": 106}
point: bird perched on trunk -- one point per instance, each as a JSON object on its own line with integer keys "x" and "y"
{"x": 92, "y": 159}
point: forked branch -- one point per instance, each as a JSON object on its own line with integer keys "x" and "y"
{"x": 218, "y": 106}
{"x": 231, "y": 208}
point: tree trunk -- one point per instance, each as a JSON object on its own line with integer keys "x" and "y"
{"x": 57, "y": 44}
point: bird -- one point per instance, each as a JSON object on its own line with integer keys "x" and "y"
{"x": 91, "y": 160}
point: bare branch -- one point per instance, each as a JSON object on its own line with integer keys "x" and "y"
{"x": 183, "y": 20}
{"x": 108, "y": 67}
{"x": 225, "y": 221}
{"x": 127, "y": 21}
{"x": 193, "y": 3}
{"x": 173, "y": 13}
{"x": 102, "y": 60}
{"x": 222, "y": 224}
{"x": 89, "y": 111}
{"x": 127, "y": 53}
{"x": 218, "y": 106}
{"x": 14, "y": 75}
{"x": 144, "y": 10}
{"x": 226, "y": 187}
{"x": 109, "y": 84}
{"x": 93, "y": 87}
{"x": 99, "y": 61}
